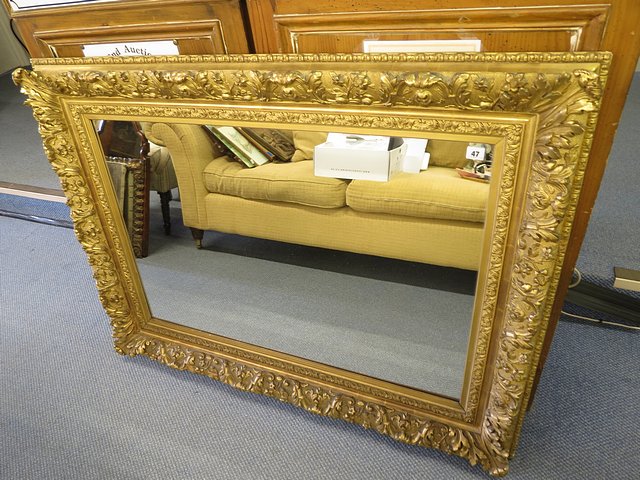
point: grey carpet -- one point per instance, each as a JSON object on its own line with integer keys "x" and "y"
{"x": 73, "y": 409}
{"x": 613, "y": 236}
{"x": 22, "y": 159}
{"x": 401, "y": 321}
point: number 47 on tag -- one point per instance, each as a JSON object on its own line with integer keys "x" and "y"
{"x": 476, "y": 152}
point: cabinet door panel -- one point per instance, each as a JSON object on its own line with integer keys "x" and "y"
{"x": 202, "y": 38}
{"x": 198, "y": 27}
{"x": 509, "y": 29}
{"x": 491, "y": 41}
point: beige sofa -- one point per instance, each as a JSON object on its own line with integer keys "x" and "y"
{"x": 433, "y": 217}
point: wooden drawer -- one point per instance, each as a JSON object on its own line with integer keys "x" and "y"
{"x": 197, "y": 27}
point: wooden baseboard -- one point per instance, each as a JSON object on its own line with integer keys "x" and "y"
{"x": 30, "y": 191}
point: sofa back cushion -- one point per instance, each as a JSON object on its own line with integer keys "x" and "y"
{"x": 305, "y": 143}
{"x": 275, "y": 182}
{"x": 445, "y": 153}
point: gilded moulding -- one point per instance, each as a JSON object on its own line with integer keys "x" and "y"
{"x": 533, "y": 213}
{"x": 508, "y": 132}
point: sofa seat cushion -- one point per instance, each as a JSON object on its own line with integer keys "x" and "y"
{"x": 438, "y": 193}
{"x": 275, "y": 182}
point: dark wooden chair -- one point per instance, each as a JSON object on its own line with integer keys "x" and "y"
{"x": 136, "y": 168}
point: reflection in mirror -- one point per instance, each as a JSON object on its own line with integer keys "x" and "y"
{"x": 137, "y": 166}
{"x": 350, "y": 250}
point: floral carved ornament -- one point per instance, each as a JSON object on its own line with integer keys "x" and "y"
{"x": 566, "y": 103}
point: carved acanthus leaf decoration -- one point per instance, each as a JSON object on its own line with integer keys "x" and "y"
{"x": 63, "y": 157}
{"x": 565, "y": 103}
{"x": 401, "y": 426}
{"x": 513, "y": 92}
{"x": 567, "y": 112}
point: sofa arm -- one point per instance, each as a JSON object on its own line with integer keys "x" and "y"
{"x": 191, "y": 150}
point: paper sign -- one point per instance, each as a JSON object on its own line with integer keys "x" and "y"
{"x": 421, "y": 46}
{"x": 24, "y": 4}
{"x": 130, "y": 49}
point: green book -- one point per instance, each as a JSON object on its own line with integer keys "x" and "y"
{"x": 239, "y": 146}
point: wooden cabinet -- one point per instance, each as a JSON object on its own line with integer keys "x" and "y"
{"x": 197, "y": 27}
{"x": 334, "y": 26}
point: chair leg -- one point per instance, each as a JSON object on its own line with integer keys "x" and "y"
{"x": 197, "y": 235}
{"x": 165, "y": 198}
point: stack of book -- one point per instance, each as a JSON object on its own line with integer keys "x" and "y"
{"x": 254, "y": 146}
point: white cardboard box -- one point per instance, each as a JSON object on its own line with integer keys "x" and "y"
{"x": 368, "y": 158}
{"x": 416, "y": 158}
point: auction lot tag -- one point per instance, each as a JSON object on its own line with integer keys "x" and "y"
{"x": 475, "y": 152}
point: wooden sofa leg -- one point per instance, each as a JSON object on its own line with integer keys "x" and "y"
{"x": 165, "y": 198}
{"x": 197, "y": 235}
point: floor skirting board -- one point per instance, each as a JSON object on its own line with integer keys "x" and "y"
{"x": 31, "y": 191}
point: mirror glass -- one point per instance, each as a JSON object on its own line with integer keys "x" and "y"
{"x": 376, "y": 296}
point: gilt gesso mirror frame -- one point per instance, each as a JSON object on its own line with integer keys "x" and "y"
{"x": 539, "y": 110}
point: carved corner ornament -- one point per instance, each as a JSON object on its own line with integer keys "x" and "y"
{"x": 530, "y": 226}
